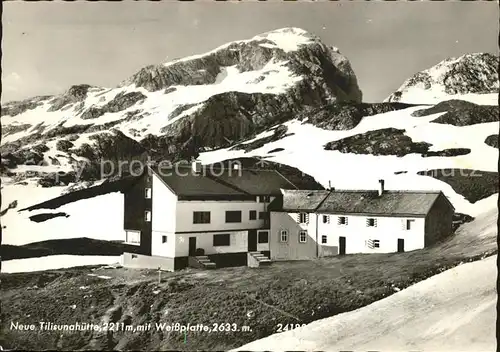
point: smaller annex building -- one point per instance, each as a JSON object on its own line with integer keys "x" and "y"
{"x": 311, "y": 224}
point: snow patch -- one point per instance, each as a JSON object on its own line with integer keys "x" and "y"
{"x": 54, "y": 262}
{"x": 432, "y": 326}
{"x": 435, "y": 95}
{"x": 305, "y": 150}
{"x": 100, "y": 217}
{"x": 104, "y": 277}
{"x": 287, "y": 39}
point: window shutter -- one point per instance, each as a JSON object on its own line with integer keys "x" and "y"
{"x": 328, "y": 219}
{"x": 298, "y": 218}
{"x": 307, "y": 218}
{"x": 346, "y": 219}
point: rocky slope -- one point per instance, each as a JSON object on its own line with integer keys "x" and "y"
{"x": 492, "y": 140}
{"x": 175, "y": 109}
{"x": 468, "y": 75}
{"x": 331, "y": 286}
{"x": 461, "y": 113}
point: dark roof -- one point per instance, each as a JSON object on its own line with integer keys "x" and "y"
{"x": 257, "y": 182}
{"x": 299, "y": 200}
{"x": 396, "y": 203}
{"x": 185, "y": 183}
{"x": 213, "y": 181}
{"x": 369, "y": 202}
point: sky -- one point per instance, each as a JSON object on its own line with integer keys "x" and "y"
{"x": 49, "y": 46}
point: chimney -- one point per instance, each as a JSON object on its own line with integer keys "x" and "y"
{"x": 196, "y": 165}
{"x": 330, "y": 188}
{"x": 381, "y": 187}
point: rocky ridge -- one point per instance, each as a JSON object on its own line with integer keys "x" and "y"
{"x": 475, "y": 73}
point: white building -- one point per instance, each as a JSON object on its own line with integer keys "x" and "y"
{"x": 311, "y": 224}
{"x": 177, "y": 214}
{"x": 194, "y": 216}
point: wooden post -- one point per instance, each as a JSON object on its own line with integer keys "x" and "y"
{"x": 159, "y": 275}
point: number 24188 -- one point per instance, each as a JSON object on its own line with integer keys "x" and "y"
{"x": 286, "y": 327}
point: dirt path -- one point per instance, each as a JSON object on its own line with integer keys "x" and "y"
{"x": 452, "y": 311}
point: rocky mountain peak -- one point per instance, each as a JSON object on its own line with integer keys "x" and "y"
{"x": 75, "y": 94}
{"x": 296, "y": 50}
{"x": 475, "y": 73}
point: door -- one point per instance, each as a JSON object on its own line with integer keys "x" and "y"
{"x": 341, "y": 245}
{"x": 401, "y": 245}
{"x": 192, "y": 246}
{"x": 252, "y": 240}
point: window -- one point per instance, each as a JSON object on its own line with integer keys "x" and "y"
{"x": 133, "y": 237}
{"x": 303, "y": 218}
{"x": 233, "y": 216}
{"x": 163, "y": 239}
{"x": 323, "y": 239}
{"x": 408, "y": 224}
{"x": 371, "y": 222}
{"x": 302, "y": 236}
{"x": 283, "y": 236}
{"x": 342, "y": 220}
{"x": 222, "y": 240}
{"x": 263, "y": 237}
{"x": 326, "y": 219}
{"x": 147, "y": 215}
{"x": 263, "y": 215}
{"x": 201, "y": 217}
{"x": 264, "y": 199}
{"x": 147, "y": 193}
{"x": 253, "y": 215}
{"x": 372, "y": 244}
